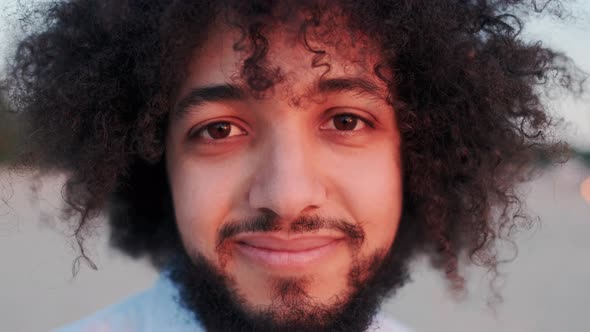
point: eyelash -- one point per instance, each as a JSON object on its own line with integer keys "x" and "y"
{"x": 196, "y": 132}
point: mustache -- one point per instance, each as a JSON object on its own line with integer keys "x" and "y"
{"x": 270, "y": 222}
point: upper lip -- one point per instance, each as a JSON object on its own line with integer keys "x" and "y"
{"x": 278, "y": 242}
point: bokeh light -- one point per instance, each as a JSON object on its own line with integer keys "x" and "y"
{"x": 585, "y": 189}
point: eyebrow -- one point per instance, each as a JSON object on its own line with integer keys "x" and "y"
{"x": 349, "y": 84}
{"x": 208, "y": 94}
{"x": 231, "y": 92}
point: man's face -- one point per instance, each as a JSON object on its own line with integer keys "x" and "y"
{"x": 300, "y": 187}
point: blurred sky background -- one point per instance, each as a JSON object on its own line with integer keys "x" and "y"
{"x": 545, "y": 289}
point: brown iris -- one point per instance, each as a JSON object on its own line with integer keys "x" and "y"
{"x": 219, "y": 130}
{"x": 345, "y": 121}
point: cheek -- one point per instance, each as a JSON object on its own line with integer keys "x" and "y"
{"x": 202, "y": 196}
{"x": 371, "y": 188}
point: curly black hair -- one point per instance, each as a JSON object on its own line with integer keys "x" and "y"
{"x": 94, "y": 83}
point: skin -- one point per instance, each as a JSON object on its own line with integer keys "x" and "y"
{"x": 284, "y": 155}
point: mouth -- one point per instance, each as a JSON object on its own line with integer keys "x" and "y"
{"x": 279, "y": 252}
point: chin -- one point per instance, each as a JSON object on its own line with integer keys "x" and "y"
{"x": 262, "y": 300}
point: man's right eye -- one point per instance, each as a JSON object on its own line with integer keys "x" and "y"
{"x": 216, "y": 131}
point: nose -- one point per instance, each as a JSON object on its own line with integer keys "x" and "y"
{"x": 287, "y": 180}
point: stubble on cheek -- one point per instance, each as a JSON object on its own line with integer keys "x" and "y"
{"x": 364, "y": 269}
{"x": 224, "y": 253}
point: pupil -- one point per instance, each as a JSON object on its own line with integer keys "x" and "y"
{"x": 219, "y": 130}
{"x": 345, "y": 122}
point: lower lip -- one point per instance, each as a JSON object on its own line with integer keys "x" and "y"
{"x": 288, "y": 259}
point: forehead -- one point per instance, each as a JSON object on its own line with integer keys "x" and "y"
{"x": 298, "y": 60}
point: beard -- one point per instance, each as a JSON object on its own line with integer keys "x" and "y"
{"x": 213, "y": 296}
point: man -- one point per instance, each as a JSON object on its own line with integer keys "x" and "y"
{"x": 281, "y": 162}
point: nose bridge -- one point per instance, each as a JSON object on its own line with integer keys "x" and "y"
{"x": 287, "y": 180}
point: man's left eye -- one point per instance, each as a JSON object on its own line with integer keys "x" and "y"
{"x": 346, "y": 122}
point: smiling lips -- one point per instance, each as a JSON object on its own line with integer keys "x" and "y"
{"x": 278, "y": 252}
